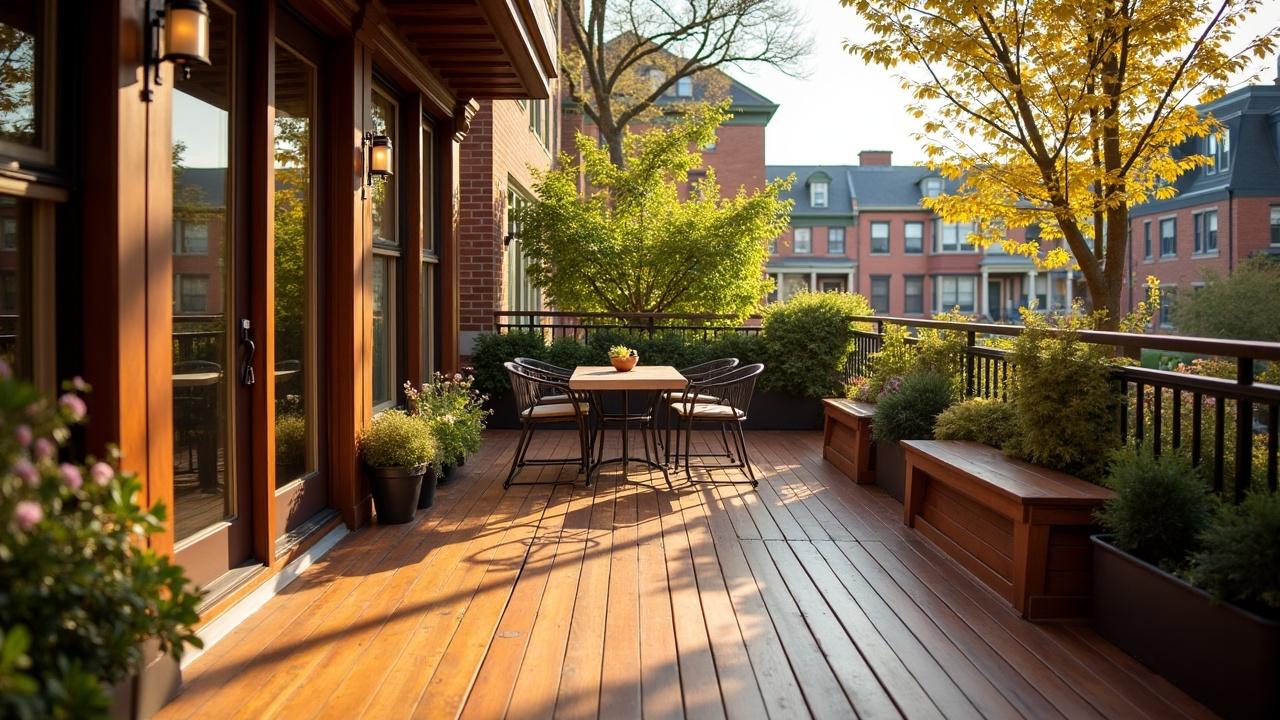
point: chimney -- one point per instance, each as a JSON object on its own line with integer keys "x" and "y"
{"x": 875, "y": 157}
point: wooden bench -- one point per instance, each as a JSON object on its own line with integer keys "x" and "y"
{"x": 1021, "y": 529}
{"x": 846, "y": 438}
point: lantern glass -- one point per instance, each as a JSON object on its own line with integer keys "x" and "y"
{"x": 380, "y": 158}
{"x": 186, "y": 31}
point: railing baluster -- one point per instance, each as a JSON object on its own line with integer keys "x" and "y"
{"x": 1219, "y": 441}
{"x": 1139, "y": 416}
{"x": 1177, "y": 419}
{"x": 1244, "y": 430}
{"x": 1273, "y": 444}
{"x": 1197, "y": 427}
{"x": 1157, "y": 411}
{"x": 971, "y": 341}
{"x": 1124, "y": 411}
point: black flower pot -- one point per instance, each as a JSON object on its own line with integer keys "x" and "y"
{"x": 448, "y": 472}
{"x": 428, "y": 495}
{"x": 395, "y": 492}
{"x": 891, "y": 468}
{"x": 1223, "y": 656}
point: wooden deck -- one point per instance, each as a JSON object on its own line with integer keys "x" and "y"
{"x": 808, "y": 597}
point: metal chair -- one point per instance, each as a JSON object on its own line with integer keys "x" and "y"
{"x": 531, "y": 387}
{"x": 548, "y": 369}
{"x": 734, "y": 390}
{"x": 696, "y": 374}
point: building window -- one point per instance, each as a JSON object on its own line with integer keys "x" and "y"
{"x": 913, "y": 238}
{"x": 26, "y": 107}
{"x": 879, "y": 238}
{"x": 1275, "y": 226}
{"x": 1146, "y": 240}
{"x": 521, "y": 294}
{"x": 818, "y": 194}
{"x": 1218, "y": 148}
{"x": 711, "y": 146}
{"x": 803, "y": 244}
{"x": 27, "y": 288}
{"x": 913, "y": 294}
{"x": 1169, "y": 237}
{"x": 953, "y": 237}
{"x": 386, "y": 260}
{"x": 954, "y": 291}
{"x": 880, "y": 293}
{"x": 1206, "y": 240}
{"x": 773, "y": 246}
{"x": 430, "y": 255}
{"x": 540, "y": 121}
{"x": 1168, "y": 297}
{"x": 191, "y": 294}
{"x": 932, "y": 187}
{"x": 684, "y": 87}
{"x": 190, "y": 237}
{"x": 835, "y": 241}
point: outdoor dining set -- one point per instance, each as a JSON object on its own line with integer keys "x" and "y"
{"x": 662, "y": 402}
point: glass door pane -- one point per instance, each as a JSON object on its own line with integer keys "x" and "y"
{"x": 294, "y": 242}
{"x": 203, "y": 307}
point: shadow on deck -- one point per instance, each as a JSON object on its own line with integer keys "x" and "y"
{"x": 808, "y": 597}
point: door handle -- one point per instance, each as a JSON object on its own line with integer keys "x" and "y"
{"x": 246, "y": 341}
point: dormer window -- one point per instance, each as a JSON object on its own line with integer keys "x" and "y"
{"x": 684, "y": 87}
{"x": 1218, "y": 148}
{"x": 932, "y": 187}
{"x": 818, "y": 194}
{"x": 656, "y": 77}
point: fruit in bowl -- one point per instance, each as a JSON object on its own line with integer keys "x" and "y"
{"x": 623, "y": 358}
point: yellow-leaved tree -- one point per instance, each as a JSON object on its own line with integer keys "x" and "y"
{"x": 1061, "y": 113}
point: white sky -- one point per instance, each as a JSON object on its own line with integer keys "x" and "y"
{"x": 844, "y": 106}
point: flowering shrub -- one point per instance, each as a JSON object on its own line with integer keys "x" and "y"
{"x": 859, "y": 388}
{"x": 455, "y": 412}
{"x": 79, "y": 589}
{"x": 396, "y": 440}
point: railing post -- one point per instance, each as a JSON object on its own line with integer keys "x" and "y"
{"x": 969, "y": 360}
{"x": 649, "y": 322}
{"x": 1244, "y": 430}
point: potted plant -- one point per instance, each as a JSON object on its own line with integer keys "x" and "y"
{"x": 397, "y": 450}
{"x": 986, "y": 420}
{"x": 455, "y": 413}
{"x": 623, "y": 358}
{"x": 93, "y": 621}
{"x": 907, "y": 410}
{"x": 1189, "y": 587}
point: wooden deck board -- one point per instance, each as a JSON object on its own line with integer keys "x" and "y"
{"x": 633, "y": 600}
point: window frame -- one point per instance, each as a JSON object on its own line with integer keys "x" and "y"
{"x": 390, "y": 253}
{"x": 940, "y": 283}
{"x": 808, "y": 241}
{"x": 1173, "y": 238}
{"x": 887, "y": 226}
{"x": 907, "y": 280}
{"x": 906, "y": 248}
{"x": 1146, "y": 240}
{"x": 45, "y": 152}
{"x": 814, "y": 193}
{"x": 1204, "y": 237}
{"x": 1275, "y": 225}
{"x": 961, "y": 246}
{"x": 888, "y": 292}
{"x": 832, "y": 232}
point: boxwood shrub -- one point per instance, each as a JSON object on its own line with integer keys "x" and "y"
{"x": 808, "y": 341}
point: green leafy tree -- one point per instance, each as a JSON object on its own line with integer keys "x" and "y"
{"x": 629, "y": 241}
{"x": 1240, "y": 306}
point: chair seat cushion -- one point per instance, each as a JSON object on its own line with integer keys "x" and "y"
{"x": 679, "y": 396}
{"x": 555, "y": 410}
{"x": 549, "y": 399}
{"x": 707, "y": 410}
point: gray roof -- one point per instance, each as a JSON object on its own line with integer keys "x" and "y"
{"x": 868, "y": 187}
{"x": 743, "y": 100}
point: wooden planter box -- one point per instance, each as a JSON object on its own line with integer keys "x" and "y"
{"x": 1223, "y": 656}
{"x": 1022, "y": 530}
{"x": 846, "y": 438}
{"x": 140, "y": 696}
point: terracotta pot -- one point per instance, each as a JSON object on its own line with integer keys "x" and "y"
{"x": 1222, "y": 655}
{"x": 624, "y": 364}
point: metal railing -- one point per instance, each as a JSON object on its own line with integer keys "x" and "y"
{"x": 1220, "y": 419}
{"x": 555, "y": 325}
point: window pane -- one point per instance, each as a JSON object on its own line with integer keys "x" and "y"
{"x": 879, "y": 237}
{"x": 294, "y": 236}
{"x": 880, "y": 293}
{"x": 382, "y": 117}
{"x": 384, "y": 384}
{"x": 23, "y": 50}
{"x": 835, "y": 241}
{"x": 803, "y": 237}
{"x": 16, "y": 236}
{"x": 913, "y": 291}
{"x": 913, "y": 233}
{"x": 202, "y": 317}
{"x": 428, "y": 319}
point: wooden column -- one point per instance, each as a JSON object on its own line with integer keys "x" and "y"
{"x": 449, "y": 245}
{"x": 411, "y": 175}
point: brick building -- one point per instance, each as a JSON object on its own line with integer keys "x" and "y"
{"x": 863, "y": 228}
{"x": 1224, "y": 212}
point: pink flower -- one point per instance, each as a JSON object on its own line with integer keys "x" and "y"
{"x": 26, "y": 472}
{"x": 79, "y": 384}
{"x": 42, "y": 449}
{"x": 23, "y": 435}
{"x": 34, "y": 408}
{"x": 101, "y": 473}
{"x": 72, "y": 477}
{"x": 27, "y": 514}
{"x": 6, "y": 372}
{"x": 74, "y": 406}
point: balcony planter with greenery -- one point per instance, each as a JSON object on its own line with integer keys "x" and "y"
{"x": 907, "y": 410}
{"x": 455, "y": 412}
{"x": 86, "y": 608}
{"x": 1220, "y": 642}
{"x": 397, "y": 450}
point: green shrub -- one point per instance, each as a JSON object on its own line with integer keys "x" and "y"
{"x": 291, "y": 446}
{"x": 1240, "y": 559}
{"x": 1160, "y": 508}
{"x": 491, "y": 350}
{"x": 80, "y": 590}
{"x": 567, "y": 352}
{"x": 990, "y": 422}
{"x": 896, "y": 358}
{"x": 943, "y": 351}
{"x": 911, "y": 411}
{"x": 395, "y": 439}
{"x": 1066, "y": 402}
{"x": 808, "y": 341}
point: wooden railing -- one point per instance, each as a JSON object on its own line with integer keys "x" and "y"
{"x": 555, "y": 325}
{"x": 1157, "y": 406}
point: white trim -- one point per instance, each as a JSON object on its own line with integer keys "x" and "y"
{"x": 221, "y": 626}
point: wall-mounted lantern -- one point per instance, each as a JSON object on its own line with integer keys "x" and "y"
{"x": 379, "y": 155}
{"x": 179, "y": 35}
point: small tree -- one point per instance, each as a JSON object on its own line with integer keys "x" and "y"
{"x": 1061, "y": 114}
{"x": 1240, "y": 306}
{"x": 631, "y": 243}
{"x": 622, "y": 56}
